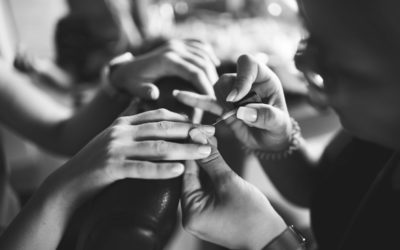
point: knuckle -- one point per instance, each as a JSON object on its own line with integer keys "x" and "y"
{"x": 115, "y": 132}
{"x": 163, "y": 125}
{"x": 161, "y": 147}
{"x": 161, "y": 112}
{"x": 120, "y": 120}
{"x": 169, "y": 56}
{"x": 266, "y": 116}
{"x": 140, "y": 168}
{"x": 225, "y": 182}
{"x": 111, "y": 150}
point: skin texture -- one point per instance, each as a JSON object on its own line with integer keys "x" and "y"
{"x": 127, "y": 149}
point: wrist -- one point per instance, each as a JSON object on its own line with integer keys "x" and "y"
{"x": 266, "y": 233}
{"x": 292, "y": 143}
{"x": 50, "y": 200}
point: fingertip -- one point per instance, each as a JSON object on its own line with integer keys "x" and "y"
{"x": 153, "y": 93}
{"x": 175, "y": 92}
{"x": 177, "y": 170}
{"x": 232, "y": 96}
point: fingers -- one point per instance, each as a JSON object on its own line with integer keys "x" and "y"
{"x": 191, "y": 73}
{"x": 147, "y": 91}
{"x": 152, "y": 116}
{"x": 164, "y": 150}
{"x": 215, "y": 166}
{"x": 151, "y": 170}
{"x": 202, "y": 62}
{"x": 166, "y": 130}
{"x": 249, "y": 72}
{"x": 263, "y": 116}
{"x": 195, "y": 100}
{"x": 204, "y": 48}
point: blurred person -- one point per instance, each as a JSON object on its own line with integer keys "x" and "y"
{"x": 351, "y": 58}
{"x": 93, "y": 32}
{"x": 33, "y": 114}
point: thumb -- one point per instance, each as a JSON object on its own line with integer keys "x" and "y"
{"x": 214, "y": 165}
{"x": 247, "y": 70}
{"x": 264, "y": 116}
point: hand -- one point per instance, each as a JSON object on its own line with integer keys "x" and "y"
{"x": 138, "y": 146}
{"x": 263, "y": 126}
{"x": 191, "y": 60}
{"x": 232, "y": 213}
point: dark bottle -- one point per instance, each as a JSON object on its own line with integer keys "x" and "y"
{"x": 132, "y": 213}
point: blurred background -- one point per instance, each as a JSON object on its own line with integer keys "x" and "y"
{"x": 63, "y": 44}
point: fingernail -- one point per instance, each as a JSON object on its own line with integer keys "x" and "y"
{"x": 232, "y": 96}
{"x": 197, "y": 136}
{"x": 177, "y": 169}
{"x": 247, "y": 114}
{"x": 175, "y": 92}
{"x": 205, "y": 150}
{"x": 209, "y": 130}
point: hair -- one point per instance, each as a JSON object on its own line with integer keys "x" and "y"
{"x": 377, "y": 21}
{"x": 78, "y": 36}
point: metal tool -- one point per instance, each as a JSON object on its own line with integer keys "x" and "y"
{"x": 251, "y": 97}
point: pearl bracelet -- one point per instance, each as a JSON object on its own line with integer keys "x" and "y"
{"x": 294, "y": 145}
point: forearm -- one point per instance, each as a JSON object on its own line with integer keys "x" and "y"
{"x": 37, "y": 116}
{"x": 87, "y": 122}
{"x": 294, "y": 176}
{"x": 40, "y": 224}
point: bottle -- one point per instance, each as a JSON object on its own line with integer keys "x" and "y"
{"x": 132, "y": 213}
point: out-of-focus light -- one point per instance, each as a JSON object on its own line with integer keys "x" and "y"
{"x": 181, "y": 8}
{"x": 274, "y": 9}
{"x": 166, "y": 10}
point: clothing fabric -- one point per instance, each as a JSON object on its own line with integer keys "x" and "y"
{"x": 357, "y": 204}
{"x": 9, "y": 203}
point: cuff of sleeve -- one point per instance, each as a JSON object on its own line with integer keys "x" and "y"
{"x": 290, "y": 239}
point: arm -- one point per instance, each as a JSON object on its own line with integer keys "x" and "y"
{"x": 35, "y": 115}
{"x": 107, "y": 158}
{"x": 30, "y": 112}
